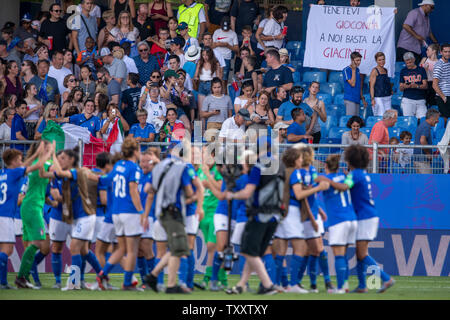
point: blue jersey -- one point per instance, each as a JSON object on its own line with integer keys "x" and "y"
{"x": 93, "y": 124}
{"x": 105, "y": 183}
{"x": 360, "y": 186}
{"x": 100, "y": 208}
{"x": 307, "y": 180}
{"x": 23, "y": 190}
{"x": 146, "y": 178}
{"x": 152, "y": 210}
{"x": 77, "y": 203}
{"x": 222, "y": 206}
{"x": 338, "y": 204}
{"x": 56, "y": 213}
{"x": 9, "y": 190}
{"x": 123, "y": 174}
{"x": 238, "y": 206}
{"x": 192, "y": 207}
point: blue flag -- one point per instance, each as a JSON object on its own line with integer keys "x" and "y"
{"x": 42, "y": 94}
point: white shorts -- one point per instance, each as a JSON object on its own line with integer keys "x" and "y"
{"x": 236, "y": 237}
{"x": 83, "y": 228}
{"x": 192, "y": 225}
{"x": 7, "y": 230}
{"x": 343, "y": 233}
{"x": 367, "y": 229}
{"x": 149, "y": 233}
{"x": 18, "y": 225}
{"x": 98, "y": 225}
{"x": 107, "y": 233}
{"x": 127, "y": 224}
{"x": 220, "y": 223}
{"x": 291, "y": 226}
{"x": 159, "y": 234}
{"x": 59, "y": 230}
{"x": 309, "y": 231}
{"x": 320, "y": 223}
{"x": 382, "y": 104}
{"x": 414, "y": 108}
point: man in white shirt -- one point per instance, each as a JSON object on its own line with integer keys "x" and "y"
{"x": 273, "y": 35}
{"x": 116, "y": 67}
{"x": 95, "y": 12}
{"x": 174, "y": 64}
{"x": 131, "y": 65}
{"x": 233, "y": 129}
{"x": 226, "y": 41}
{"x": 59, "y": 72}
{"x": 207, "y": 41}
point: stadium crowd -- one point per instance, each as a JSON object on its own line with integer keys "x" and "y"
{"x": 138, "y": 73}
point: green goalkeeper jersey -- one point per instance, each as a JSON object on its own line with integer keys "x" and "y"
{"x": 209, "y": 200}
{"x": 37, "y": 186}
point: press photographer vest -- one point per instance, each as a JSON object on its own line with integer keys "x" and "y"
{"x": 191, "y": 17}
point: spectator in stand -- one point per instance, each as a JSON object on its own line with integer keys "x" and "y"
{"x": 354, "y": 136}
{"x": 216, "y": 107}
{"x": 9, "y": 101}
{"x": 144, "y": 24}
{"x": 226, "y": 41}
{"x": 296, "y": 131}
{"x": 441, "y": 82}
{"x": 156, "y": 109}
{"x": 281, "y": 131}
{"x": 75, "y": 99}
{"x": 193, "y": 15}
{"x": 207, "y": 68}
{"x": 87, "y": 82}
{"x": 145, "y": 62}
{"x": 125, "y": 30}
{"x": 353, "y": 86}
{"x": 142, "y": 131}
{"x": 56, "y": 28}
{"x": 216, "y": 11}
{"x": 84, "y": 30}
{"x": 413, "y": 83}
{"x": 404, "y": 154}
{"x": 113, "y": 86}
{"x": 85, "y": 119}
{"x": 129, "y": 62}
{"x": 175, "y": 130}
{"x": 123, "y": 5}
{"x": 248, "y": 73}
{"x": 12, "y": 79}
{"x": 173, "y": 28}
{"x": 57, "y": 70}
{"x": 18, "y": 127}
{"x": 175, "y": 65}
{"x": 160, "y": 46}
{"x": 95, "y": 12}
{"x": 70, "y": 65}
{"x": 424, "y": 137}
{"x": 246, "y": 99}
{"x": 416, "y": 30}
{"x": 380, "y": 86}
{"x": 183, "y": 29}
{"x": 247, "y": 40}
{"x": 261, "y": 117}
{"x": 6, "y": 125}
{"x": 28, "y": 71}
{"x": 8, "y": 56}
{"x": 268, "y": 16}
{"x": 130, "y": 99}
{"x": 380, "y": 132}
{"x": 285, "y": 111}
{"x": 273, "y": 35}
{"x": 176, "y": 48}
{"x": 278, "y": 75}
{"x": 184, "y": 99}
{"x": 428, "y": 64}
{"x": 25, "y": 31}
{"x": 207, "y": 41}
{"x": 278, "y": 96}
{"x": 284, "y": 59}
{"x": 50, "y": 113}
{"x": 101, "y": 103}
{"x": 34, "y": 109}
{"x": 160, "y": 13}
{"x": 116, "y": 67}
{"x": 11, "y": 43}
{"x": 88, "y": 57}
{"x": 70, "y": 83}
{"x": 233, "y": 128}
{"x": 108, "y": 123}
{"x": 40, "y": 53}
{"x": 46, "y": 85}
{"x": 105, "y": 36}
{"x": 353, "y": 3}
{"x": 243, "y": 13}
{"x": 319, "y": 111}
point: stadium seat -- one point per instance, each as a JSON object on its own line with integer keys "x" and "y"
{"x": 370, "y": 122}
{"x": 336, "y": 76}
{"x": 325, "y": 126}
{"x": 325, "y": 97}
{"x": 337, "y": 132}
{"x": 366, "y": 131}
{"x": 294, "y": 49}
{"x": 365, "y": 112}
{"x": 332, "y": 88}
{"x": 437, "y": 135}
{"x": 343, "y": 121}
{"x": 298, "y": 65}
{"x": 339, "y": 99}
{"x": 406, "y": 122}
{"x": 397, "y": 99}
{"x": 394, "y": 132}
{"x": 396, "y": 82}
{"x": 399, "y": 66}
{"x": 335, "y": 110}
{"x": 319, "y": 76}
{"x": 304, "y": 85}
{"x": 399, "y": 110}
{"x": 233, "y": 94}
{"x": 296, "y": 76}
{"x": 439, "y": 125}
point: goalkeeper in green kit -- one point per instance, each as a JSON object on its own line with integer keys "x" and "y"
{"x": 31, "y": 213}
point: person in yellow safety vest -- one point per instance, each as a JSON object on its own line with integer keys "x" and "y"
{"x": 193, "y": 14}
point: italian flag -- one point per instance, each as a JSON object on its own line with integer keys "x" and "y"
{"x": 115, "y": 137}
{"x": 67, "y": 136}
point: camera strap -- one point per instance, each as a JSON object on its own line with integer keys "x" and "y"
{"x": 163, "y": 174}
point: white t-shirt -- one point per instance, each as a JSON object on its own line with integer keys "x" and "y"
{"x": 34, "y": 115}
{"x": 273, "y": 28}
{"x": 229, "y": 37}
{"x": 230, "y": 130}
{"x": 154, "y": 110}
{"x": 241, "y": 103}
{"x": 219, "y": 57}
{"x": 59, "y": 75}
{"x": 118, "y": 35}
{"x": 95, "y": 12}
{"x": 5, "y": 132}
{"x": 190, "y": 42}
{"x": 131, "y": 65}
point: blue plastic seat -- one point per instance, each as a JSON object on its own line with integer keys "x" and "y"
{"x": 233, "y": 94}
{"x": 370, "y": 122}
{"x": 337, "y": 132}
{"x": 298, "y": 65}
{"x": 439, "y": 125}
{"x": 325, "y": 126}
{"x": 437, "y": 135}
{"x": 406, "y": 122}
{"x": 343, "y": 121}
{"x": 366, "y": 131}
{"x": 325, "y": 97}
{"x": 397, "y": 99}
{"x": 399, "y": 110}
{"x": 294, "y": 49}
{"x": 310, "y": 76}
{"x": 336, "y": 76}
{"x": 394, "y": 132}
{"x": 339, "y": 99}
{"x": 296, "y": 76}
{"x": 396, "y": 82}
{"x": 332, "y": 88}
{"x": 335, "y": 110}
{"x": 399, "y": 66}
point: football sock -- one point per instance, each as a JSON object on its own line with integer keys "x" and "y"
{"x": 191, "y": 270}
{"x": 223, "y": 277}
{"x": 208, "y": 274}
{"x": 347, "y": 270}
{"x": 183, "y": 270}
{"x": 27, "y": 260}
{"x": 3, "y": 268}
{"x": 284, "y": 277}
{"x": 296, "y": 262}
{"x": 107, "y": 255}
{"x": 323, "y": 263}
{"x": 127, "y": 278}
{"x": 217, "y": 262}
{"x": 279, "y": 264}
{"x": 361, "y": 272}
{"x": 83, "y": 267}
{"x": 302, "y": 269}
{"x": 271, "y": 267}
{"x": 369, "y": 261}
{"x": 57, "y": 266}
{"x": 150, "y": 264}
{"x": 38, "y": 257}
{"x": 107, "y": 268}
{"x": 142, "y": 267}
{"x": 313, "y": 269}
{"x": 341, "y": 268}
{"x": 92, "y": 259}
{"x": 77, "y": 261}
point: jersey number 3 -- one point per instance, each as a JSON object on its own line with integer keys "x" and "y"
{"x": 3, "y": 190}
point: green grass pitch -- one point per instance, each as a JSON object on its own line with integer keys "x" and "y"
{"x": 406, "y": 288}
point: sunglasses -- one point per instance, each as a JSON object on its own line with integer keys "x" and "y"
{"x": 53, "y": 109}
{"x": 72, "y": 80}
{"x": 156, "y": 77}
{"x": 143, "y": 50}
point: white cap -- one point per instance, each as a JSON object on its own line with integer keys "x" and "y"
{"x": 424, "y": 2}
{"x": 105, "y": 52}
{"x": 280, "y": 125}
{"x": 192, "y": 53}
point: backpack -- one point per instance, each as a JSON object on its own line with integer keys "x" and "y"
{"x": 270, "y": 192}
{"x": 223, "y": 5}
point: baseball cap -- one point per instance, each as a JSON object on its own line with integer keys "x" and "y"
{"x": 244, "y": 113}
{"x": 170, "y": 73}
{"x": 3, "y": 43}
{"x": 176, "y": 41}
{"x": 182, "y": 26}
{"x": 26, "y": 17}
{"x": 105, "y": 52}
{"x": 280, "y": 125}
{"x": 283, "y": 51}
